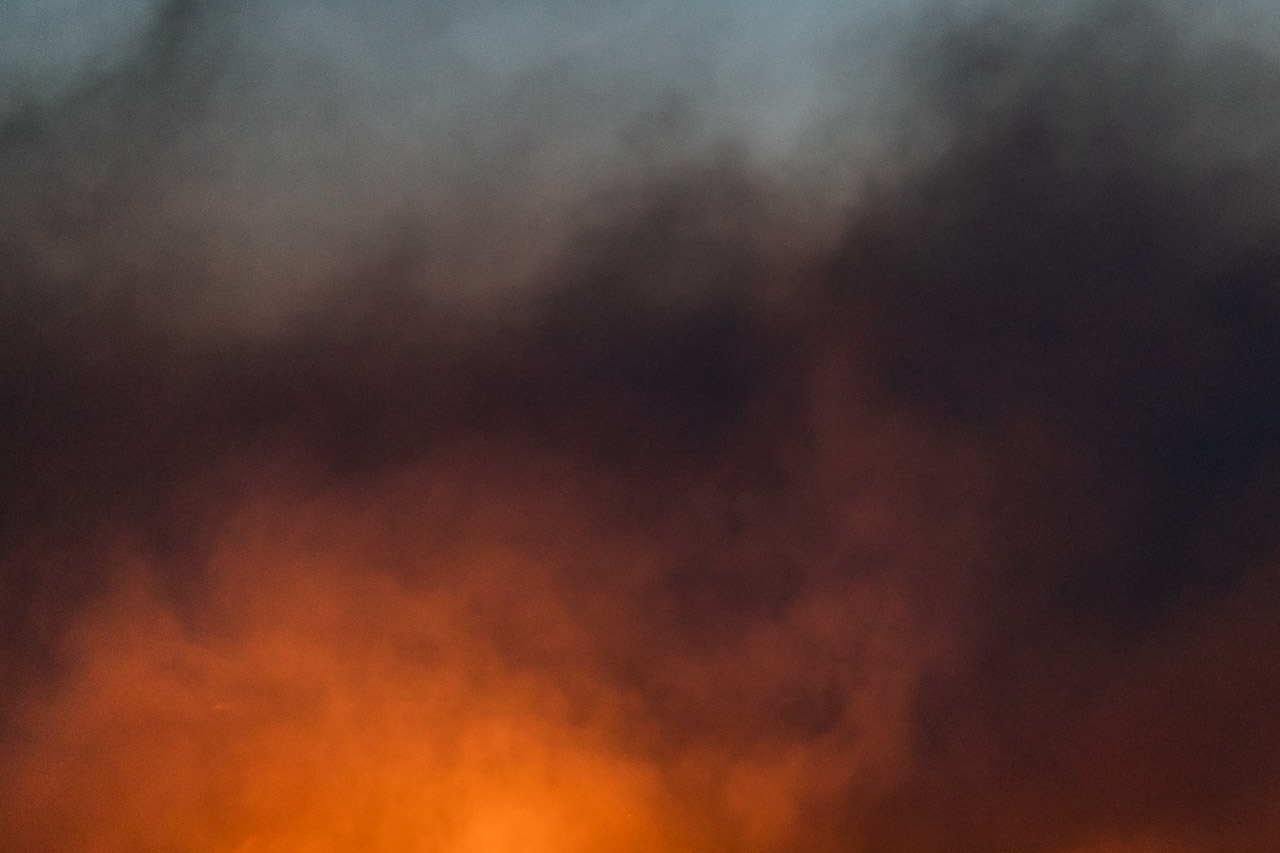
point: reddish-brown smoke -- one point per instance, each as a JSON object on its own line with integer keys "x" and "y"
{"x": 954, "y": 531}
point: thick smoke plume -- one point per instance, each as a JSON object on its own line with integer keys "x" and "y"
{"x": 639, "y": 427}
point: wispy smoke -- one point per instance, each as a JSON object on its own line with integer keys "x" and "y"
{"x": 640, "y": 426}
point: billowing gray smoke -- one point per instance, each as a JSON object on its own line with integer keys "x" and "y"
{"x": 639, "y": 426}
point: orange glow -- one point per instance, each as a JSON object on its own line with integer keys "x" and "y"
{"x": 478, "y": 653}
{"x": 357, "y": 676}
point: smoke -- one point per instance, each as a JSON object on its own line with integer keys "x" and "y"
{"x": 639, "y": 426}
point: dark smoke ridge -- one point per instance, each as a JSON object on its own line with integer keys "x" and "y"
{"x": 1073, "y": 248}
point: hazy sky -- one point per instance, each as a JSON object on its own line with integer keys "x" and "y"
{"x": 565, "y": 426}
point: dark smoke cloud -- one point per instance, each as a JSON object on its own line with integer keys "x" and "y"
{"x": 469, "y": 428}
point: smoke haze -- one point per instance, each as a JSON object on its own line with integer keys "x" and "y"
{"x": 639, "y": 426}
